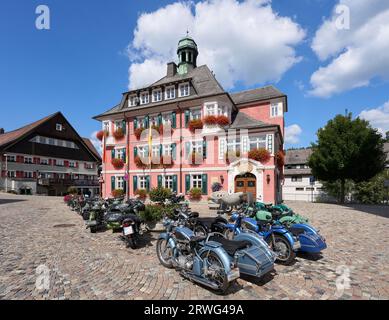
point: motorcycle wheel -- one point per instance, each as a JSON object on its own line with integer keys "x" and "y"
{"x": 200, "y": 230}
{"x": 218, "y": 274}
{"x": 164, "y": 253}
{"x": 132, "y": 242}
{"x": 283, "y": 248}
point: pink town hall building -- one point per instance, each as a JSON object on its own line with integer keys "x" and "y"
{"x": 185, "y": 132}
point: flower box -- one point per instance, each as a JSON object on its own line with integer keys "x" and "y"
{"x": 118, "y": 134}
{"x": 195, "y": 124}
{"x": 260, "y": 154}
{"x": 117, "y": 163}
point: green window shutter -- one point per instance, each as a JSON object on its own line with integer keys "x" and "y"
{"x": 160, "y": 150}
{"x": 112, "y": 183}
{"x": 175, "y": 183}
{"x": 124, "y": 154}
{"x": 159, "y": 181}
{"x": 113, "y": 153}
{"x": 124, "y": 126}
{"x": 159, "y": 119}
{"x": 187, "y": 149}
{"x": 135, "y": 183}
{"x": 124, "y": 186}
{"x": 135, "y": 151}
{"x": 187, "y": 115}
{"x": 146, "y": 122}
{"x": 135, "y": 123}
{"x": 204, "y": 148}
{"x": 147, "y": 183}
{"x": 204, "y": 183}
{"x": 187, "y": 182}
{"x": 174, "y": 120}
{"x": 174, "y": 151}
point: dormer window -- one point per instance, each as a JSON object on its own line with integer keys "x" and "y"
{"x": 144, "y": 98}
{"x": 157, "y": 95}
{"x": 58, "y": 127}
{"x": 132, "y": 100}
{"x": 184, "y": 90}
{"x": 170, "y": 93}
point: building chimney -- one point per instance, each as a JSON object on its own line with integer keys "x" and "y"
{"x": 171, "y": 69}
{"x": 2, "y": 130}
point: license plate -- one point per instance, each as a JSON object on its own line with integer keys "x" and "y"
{"x": 128, "y": 230}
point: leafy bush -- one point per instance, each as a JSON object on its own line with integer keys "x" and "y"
{"x": 141, "y": 193}
{"x": 216, "y": 186}
{"x": 159, "y": 194}
{"x": 117, "y": 193}
{"x": 117, "y": 163}
{"x": 156, "y": 212}
{"x": 118, "y": 133}
{"x": 260, "y": 154}
{"x": 195, "y": 124}
{"x": 195, "y": 193}
{"x": 72, "y": 190}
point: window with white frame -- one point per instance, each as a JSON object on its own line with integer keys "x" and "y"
{"x": 28, "y": 174}
{"x": 155, "y": 150}
{"x": 11, "y": 158}
{"x": 132, "y": 100}
{"x": 233, "y": 144}
{"x": 167, "y": 149}
{"x": 72, "y": 164}
{"x": 106, "y": 126}
{"x": 118, "y": 124}
{"x": 28, "y": 160}
{"x": 58, "y": 127}
{"x": 157, "y": 95}
{"x": 142, "y": 151}
{"x": 167, "y": 119}
{"x": 197, "y": 147}
{"x": 142, "y": 182}
{"x": 153, "y": 120}
{"x": 196, "y": 181}
{"x": 44, "y": 161}
{"x": 276, "y": 109}
{"x": 168, "y": 182}
{"x": 214, "y": 109}
{"x": 257, "y": 142}
{"x": 11, "y": 174}
{"x": 183, "y": 90}
{"x": 144, "y": 98}
{"x": 210, "y": 109}
{"x": 119, "y": 153}
{"x": 170, "y": 93}
{"x": 119, "y": 182}
{"x": 222, "y": 110}
{"x": 59, "y": 163}
{"x": 269, "y": 147}
{"x": 195, "y": 114}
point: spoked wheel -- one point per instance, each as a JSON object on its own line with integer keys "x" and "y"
{"x": 164, "y": 253}
{"x": 216, "y": 272}
{"x": 283, "y": 248}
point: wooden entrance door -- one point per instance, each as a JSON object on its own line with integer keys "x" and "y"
{"x": 246, "y": 183}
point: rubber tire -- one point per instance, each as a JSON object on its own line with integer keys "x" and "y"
{"x": 93, "y": 229}
{"x": 164, "y": 263}
{"x": 292, "y": 254}
{"x": 131, "y": 243}
{"x": 200, "y": 228}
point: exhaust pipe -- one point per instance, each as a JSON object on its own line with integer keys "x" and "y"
{"x": 201, "y": 280}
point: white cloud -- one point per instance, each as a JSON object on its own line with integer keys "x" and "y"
{"x": 356, "y": 56}
{"x": 292, "y": 134}
{"x": 240, "y": 41}
{"x": 96, "y": 142}
{"x": 378, "y": 117}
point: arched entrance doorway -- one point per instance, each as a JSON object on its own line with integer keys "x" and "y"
{"x": 246, "y": 183}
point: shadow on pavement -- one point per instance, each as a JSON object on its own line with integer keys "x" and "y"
{"x": 378, "y": 210}
{"x": 5, "y": 201}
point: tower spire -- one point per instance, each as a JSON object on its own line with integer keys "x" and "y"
{"x": 187, "y": 54}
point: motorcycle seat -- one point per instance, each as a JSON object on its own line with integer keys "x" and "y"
{"x": 296, "y": 231}
{"x": 231, "y": 246}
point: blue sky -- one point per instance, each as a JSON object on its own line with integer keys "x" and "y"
{"x": 81, "y": 65}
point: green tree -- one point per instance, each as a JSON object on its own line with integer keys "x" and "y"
{"x": 347, "y": 149}
{"x": 372, "y": 191}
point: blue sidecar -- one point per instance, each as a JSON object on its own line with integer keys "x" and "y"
{"x": 310, "y": 239}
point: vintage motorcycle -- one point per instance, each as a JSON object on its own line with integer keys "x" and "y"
{"x": 132, "y": 230}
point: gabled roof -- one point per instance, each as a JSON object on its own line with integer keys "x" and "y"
{"x": 297, "y": 156}
{"x": 244, "y": 121}
{"x": 203, "y": 81}
{"x": 265, "y": 93}
{"x": 9, "y": 138}
{"x": 12, "y": 136}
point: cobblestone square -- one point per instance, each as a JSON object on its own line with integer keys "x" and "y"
{"x": 42, "y": 233}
